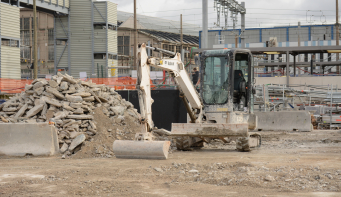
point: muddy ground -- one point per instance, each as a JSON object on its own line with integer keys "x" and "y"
{"x": 287, "y": 164}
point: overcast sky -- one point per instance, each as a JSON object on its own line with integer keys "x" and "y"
{"x": 260, "y": 13}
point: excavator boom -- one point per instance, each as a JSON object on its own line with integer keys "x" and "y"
{"x": 143, "y": 147}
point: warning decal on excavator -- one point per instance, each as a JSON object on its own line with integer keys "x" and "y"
{"x": 222, "y": 109}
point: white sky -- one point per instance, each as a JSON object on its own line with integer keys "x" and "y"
{"x": 260, "y": 13}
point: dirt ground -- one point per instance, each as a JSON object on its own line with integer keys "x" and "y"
{"x": 287, "y": 164}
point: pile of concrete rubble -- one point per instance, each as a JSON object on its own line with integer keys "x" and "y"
{"x": 69, "y": 103}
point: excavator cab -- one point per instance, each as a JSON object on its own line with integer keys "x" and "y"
{"x": 225, "y": 82}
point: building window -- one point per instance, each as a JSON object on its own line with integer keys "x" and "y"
{"x": 100, "y": 56}
{"x": 99, "y": 26}
{"x": 60, "y": 42}
{"x": 178, "y": 49}
{"x": 51, "y": 44}
{"x": 111, "y": 27}
{"x": 112, "y": 57}
{"x": 10, "y": 43}
{"x": 123, "y": 45}
{"x": 26, "y": 24}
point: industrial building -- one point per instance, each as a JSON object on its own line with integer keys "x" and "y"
{"x": 287, "y": 36}
{"x": 314, "y": 35}
{"x": 83, "y": 36}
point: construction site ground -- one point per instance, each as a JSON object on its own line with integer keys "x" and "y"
{"x": 287, "y": 164}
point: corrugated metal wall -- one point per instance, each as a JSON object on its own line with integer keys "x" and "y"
{"x": 112, "y": 41}
{"x": 0, "y": 41}
{"x": 229, "y": 36}
{"x": 280, "y": 33}
{"x": 62, "y": 56}
{"x": 10, "y": 28}
{"x": 10, "y": 62}
{"x": 293, "y": 34}
{"x": 81, "y": 37}
{"x": 252, "y": 36}
{"x": 318, "y": 33}
{"x": 10, "y": 21}
{"x": 112, "y": 13}
{"x": 60, "y": 22}
{"x": 88, "y": 37}
{"x": 101, "y": 10}
{"x": 100, "y": 40}
{"x": 61, "y": 52}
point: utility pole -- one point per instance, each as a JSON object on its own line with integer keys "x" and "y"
{"x": 35, "y": 72}
{"x": 299, "y": 44}
{"x": 204, "y": 38}
{"x": 181, "y": 40}
{"x": 135, "y": 37}
{"x": 242, "y": 27}
{"x": 337, "y": 33}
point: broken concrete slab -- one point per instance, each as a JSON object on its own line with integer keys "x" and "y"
{"x": 89, "y": 99}
{"x": 64, "y": 86}
{"x": 80, "y": 117}
{"x": 61, "y": 114}
{"x": 51, "y": 101}
{"x": 55, "y": 92}
{"x": 82, "y": 94}
{"x": 76, "y": 105}
{"x": 69, "y": 79}
{"x": 118, "y": 110}
{"x": 39, "y": 91}
{"x": 39, "y": 84}
{"x": 78, "y": 111}
{"x": 36, "y": 109}
{"x": 21, "y": 111}
{"x": 77, "y": 141}
{"x": 74, "y": 99}
{"x": 53, "y": 84}
{"x": 64, "y": 148}
{"x": 67, "y": 107}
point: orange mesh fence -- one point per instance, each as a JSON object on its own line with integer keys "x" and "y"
{"x": 12, "y": 86}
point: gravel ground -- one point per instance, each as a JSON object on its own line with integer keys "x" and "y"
{"x": 287, "y": 164}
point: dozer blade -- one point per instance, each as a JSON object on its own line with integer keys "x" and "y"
{"x": 210, "y": 129}
{"x": 128, "y": 149}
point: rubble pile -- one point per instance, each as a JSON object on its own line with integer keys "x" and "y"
{"x": 70, "y": 104}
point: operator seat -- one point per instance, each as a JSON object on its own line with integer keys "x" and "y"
{"x": 238, "y": 78}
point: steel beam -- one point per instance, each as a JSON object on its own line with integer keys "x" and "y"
{"x": 62, "y": 26}
{"x": 92, "y": 40}
{"x": 287, "y": 67}
{"x": 69, "y": 46}
{"x": 55, "y": 45}
{"x": 61, "y": 55}
{"x": 107, "y": 39}
{"x": 204, "y": 24}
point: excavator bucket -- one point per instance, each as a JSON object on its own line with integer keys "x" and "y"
{"x": 128, "y": 149}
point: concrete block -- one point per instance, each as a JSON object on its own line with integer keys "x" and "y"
{"x": 284, "y": 121}
{"x": 19, "y": 139}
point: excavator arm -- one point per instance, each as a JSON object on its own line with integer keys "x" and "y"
{"x": 177, "y": 70}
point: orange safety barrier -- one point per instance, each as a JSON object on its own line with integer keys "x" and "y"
{"x": 12, "y": 86}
